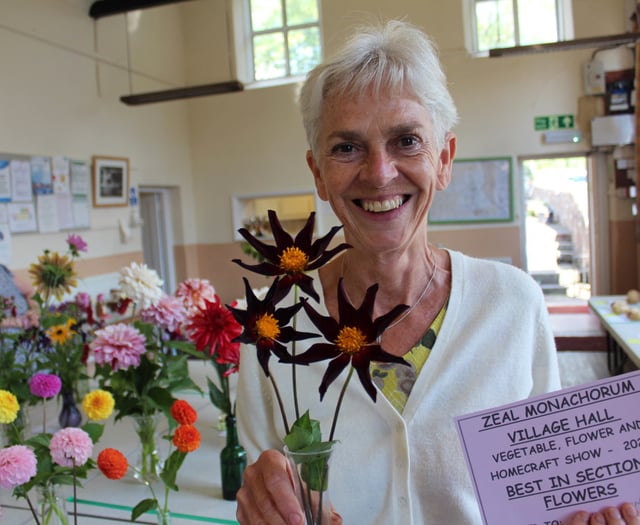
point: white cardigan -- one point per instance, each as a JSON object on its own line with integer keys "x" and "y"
{"x": 495, "y": 347}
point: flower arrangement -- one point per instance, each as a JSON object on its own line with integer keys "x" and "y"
{"x": 46, "y": 461}
{"x": 350, "y": 341}
{"x": 137, "y": 361}
{"x": 185, "y": 437}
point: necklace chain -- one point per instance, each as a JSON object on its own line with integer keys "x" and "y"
{"x": 411, "y": 308}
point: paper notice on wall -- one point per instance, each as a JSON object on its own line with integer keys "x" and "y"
{"x": 538, "y": 461}
{"x": 21, "y": 181}
{"x": 47, "y": 214}
{"x": 5, "y": 180}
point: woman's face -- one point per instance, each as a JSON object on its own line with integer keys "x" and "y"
{"x": 378, "y": 166}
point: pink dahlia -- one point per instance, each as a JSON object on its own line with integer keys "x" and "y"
{"x": 17, "y": 466}
{"x": 169, "y": 313}
{"x": 119, "y": 346}
{"x": 193, "y": 293}
{"x": 70, "y": 446}
{"x": 45, "y": 385}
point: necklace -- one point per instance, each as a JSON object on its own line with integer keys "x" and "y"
{"x": 411, "y": 308}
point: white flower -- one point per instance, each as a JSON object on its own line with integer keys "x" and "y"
{"x": 141, "y": 284}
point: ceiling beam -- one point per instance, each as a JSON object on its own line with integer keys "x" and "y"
{"x": 102, "y": 8}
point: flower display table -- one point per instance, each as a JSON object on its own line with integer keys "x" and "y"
{"x": 102, "y": 501}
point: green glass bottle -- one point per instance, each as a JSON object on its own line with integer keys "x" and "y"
{"x": 233, "y": 461}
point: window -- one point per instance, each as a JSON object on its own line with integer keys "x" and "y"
{"x": 282, "y": 39}
{"x": 507, "y": 23}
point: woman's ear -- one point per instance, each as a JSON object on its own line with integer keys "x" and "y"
{"x": 447, "y": 155}
{"x": 320, "y": 186}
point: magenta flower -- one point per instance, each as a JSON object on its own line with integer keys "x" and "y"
{"x": 17, "y": 466}
{"x": 76, "y": 244}
{"x": 168, "y": 313}
{"x": 45, "y": 385}
{"x": 83, "y": 300}
{"x": 119, "y": 346}
{"x": 70, "y": 446}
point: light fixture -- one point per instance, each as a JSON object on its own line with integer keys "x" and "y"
{"x": 101, "y": 8}
{"x": 182, "y": 93}
{"x": 562, "y": 136}
{"x": 567, "y": 45}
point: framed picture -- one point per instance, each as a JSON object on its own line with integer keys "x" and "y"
{"x": 110, "y": 181}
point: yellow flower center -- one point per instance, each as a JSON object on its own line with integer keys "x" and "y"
{"x": 267, "y": 326}
{"x": 350, "y": 340}
{"x": 293, "y": 260}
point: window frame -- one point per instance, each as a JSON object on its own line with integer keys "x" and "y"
{"x": 243, "y": 45}
{"x": 564, "y": 24}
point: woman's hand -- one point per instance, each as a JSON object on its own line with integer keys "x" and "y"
{"x": 267, "y": 496}
{"x": 626, "y": 514}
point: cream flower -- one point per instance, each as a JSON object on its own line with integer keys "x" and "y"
{"x": 141, "y": 284}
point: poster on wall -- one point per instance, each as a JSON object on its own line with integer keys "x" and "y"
{"x": 22, "y": 217}
{"x": 80, "y": 178}
{"x": 21, "y": 181}
{"x": 81, "y": 211}
{"x": 5, "y": 181}
{"x": 65, "y": 212}
{"x": 41, "y": 176}
{"x": 60, "y": 174}
{"x": 47, "y": 214}
{"x": 5, "y": 244}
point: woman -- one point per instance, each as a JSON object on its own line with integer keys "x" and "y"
{"x": 23, "y": 311}
{"x": 378, "y": 120}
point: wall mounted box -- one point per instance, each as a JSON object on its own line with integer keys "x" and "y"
{"x": 613, "y": 130}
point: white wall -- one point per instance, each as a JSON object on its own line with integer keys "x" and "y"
{"x": 63, "y": 74}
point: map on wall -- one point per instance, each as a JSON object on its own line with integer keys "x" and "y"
{"x": 480, "y": 191}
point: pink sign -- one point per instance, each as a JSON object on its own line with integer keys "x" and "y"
{"x": 538, "y": 461}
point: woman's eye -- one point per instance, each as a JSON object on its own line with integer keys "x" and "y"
{"x": 343, "y": 148}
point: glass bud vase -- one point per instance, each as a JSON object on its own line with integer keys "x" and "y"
{"x": 311, "y": 481}
{"x": 51, "y": 506}
{"x": 233, "y": 461}
{"x": 148, "y": 466}
{"x": 70, "y": 415}
{"x": 164, "y": 517}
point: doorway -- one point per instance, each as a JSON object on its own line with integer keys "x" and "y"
{"x": 557, "y": 226}
{"x": 157, "y": 236}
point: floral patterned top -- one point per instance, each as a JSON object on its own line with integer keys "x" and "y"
{"x": 395, "y": 381}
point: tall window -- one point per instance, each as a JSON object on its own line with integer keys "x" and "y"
{"x": 285, "y": 38}
{"x": 507, "y": 23}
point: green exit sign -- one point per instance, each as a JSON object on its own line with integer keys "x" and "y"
{"x": 550, "y": 122}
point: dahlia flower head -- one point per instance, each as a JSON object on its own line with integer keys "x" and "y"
{"x": 18, "y": 465}
{"x": 141, "y": 284}
{"x": 168, "y": 313}
{"x": 193, "y": 293}
{"x": 118, "y": 345}
{"x": 70, "y": 446}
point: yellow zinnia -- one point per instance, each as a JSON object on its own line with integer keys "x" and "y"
{"x": 98, "y": 404}
{"x": 54, "y": 275}
{"x": 9, "y": 407}
{"x": 61, "y": 333}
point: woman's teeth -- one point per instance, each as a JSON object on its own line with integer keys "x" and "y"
{"x": 382, "y": 206}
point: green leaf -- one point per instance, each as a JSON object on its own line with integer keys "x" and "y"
{"x": 95, "y": 431}
{"x": 218, "y": 397}
{"x": 171, "y": 467}
{"x": 304, "y": 433}
{"x": 144, "y": 506}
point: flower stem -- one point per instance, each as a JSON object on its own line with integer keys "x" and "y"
{"x": 294, "y": 375}
{"x": 75, "y": 496}
{"x": 339, "y": 403}
{"x": 32, "y": 508}
{"x": 280, "y": 404}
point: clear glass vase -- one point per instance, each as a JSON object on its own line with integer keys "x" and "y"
{"x": 51, "y": 507}
{"x": 19, "y": 430}
{"x": 148, "y": 466}
{"x": 164, "y": 517}
{"x": 310, "y": 473}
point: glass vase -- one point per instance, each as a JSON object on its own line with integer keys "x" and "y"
{"x": 70, "y": 415}
{"x": 233, "y": 461}
{"x": 310, "y": 473}
{"x": 164, "y": 517}
{"x": 51, "y": 508}
{"x": 148, "y": 465}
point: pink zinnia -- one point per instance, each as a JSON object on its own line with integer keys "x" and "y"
{"x": 193, "y": 293}
{"x": 45, "y": 385}
{"x": 76, "y": 243}
{"x": 168, "y": 313}
{"x": 17, "y": 466}
{"x": 70, "y": 446}
{"x": 119, "y": 346}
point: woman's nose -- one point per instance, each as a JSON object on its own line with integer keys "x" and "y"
{"x": 379, "y": 168}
